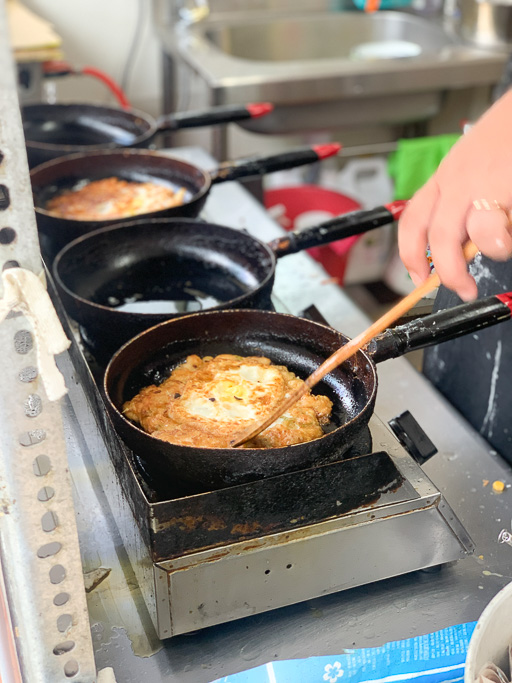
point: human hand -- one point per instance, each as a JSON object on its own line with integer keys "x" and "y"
{"x": 468, "y": 197}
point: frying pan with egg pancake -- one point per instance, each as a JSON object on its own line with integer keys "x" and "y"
{"x": 299, "y": 344}
{"x": 118, "y": 281}
{"x": 72, "y": 172}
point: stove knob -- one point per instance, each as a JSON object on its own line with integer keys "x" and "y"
{"x": 412, "y": 437}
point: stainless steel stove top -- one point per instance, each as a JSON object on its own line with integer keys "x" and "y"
{"x": 408, "y": 526}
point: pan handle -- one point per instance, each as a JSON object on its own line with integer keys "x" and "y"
{"x": 340, "y": 227}
{"x": 441, "y": 326}
{"x": 245, "y": 168}
{"x": 213, "y": 116}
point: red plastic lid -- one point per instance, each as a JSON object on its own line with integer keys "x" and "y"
{"x": 302, "y": 198}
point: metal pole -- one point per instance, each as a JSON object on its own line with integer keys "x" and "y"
{"x": 39, "y": 551}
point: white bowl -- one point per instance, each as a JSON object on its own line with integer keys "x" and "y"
{"x": 492, "y": 636}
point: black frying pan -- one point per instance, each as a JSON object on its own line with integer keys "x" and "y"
{"x": 299, "y": 344}
{"x": 118, "y": 281}
{"x": 66, "y": 173}
{"x": 54, "y": 130}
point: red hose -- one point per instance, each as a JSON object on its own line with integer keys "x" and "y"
{"x": 111, "y": 84}
{"x": 61, "y": 68}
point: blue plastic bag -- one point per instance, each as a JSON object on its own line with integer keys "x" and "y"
{"x": 437, "y": 657}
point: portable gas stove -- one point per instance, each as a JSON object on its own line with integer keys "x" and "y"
{"x": 209, "y": 558}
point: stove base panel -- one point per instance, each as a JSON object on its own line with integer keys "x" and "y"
{"x": 243, "y": 581}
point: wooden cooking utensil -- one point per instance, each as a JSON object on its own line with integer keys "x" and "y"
{"x": 349, "y": 349}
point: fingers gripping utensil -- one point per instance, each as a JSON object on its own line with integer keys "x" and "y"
{"x": 349, "y": 349}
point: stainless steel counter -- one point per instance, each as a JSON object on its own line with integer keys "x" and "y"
{"x": 361, "y": 617}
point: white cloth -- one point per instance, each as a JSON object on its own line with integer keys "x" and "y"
{"x": 25, "y": 292}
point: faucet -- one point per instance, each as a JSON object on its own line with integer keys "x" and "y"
{"x": 192, "y": 11}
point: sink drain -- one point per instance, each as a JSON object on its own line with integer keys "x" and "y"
{"x": 385, "y": 49}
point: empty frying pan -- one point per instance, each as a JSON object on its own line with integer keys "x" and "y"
{"x": 117, "y": 281}
{"x": 54, "y": 130}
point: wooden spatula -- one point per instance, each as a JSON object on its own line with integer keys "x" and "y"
{"x": 345, "y": 352}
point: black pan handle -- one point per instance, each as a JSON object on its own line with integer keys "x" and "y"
{"x": 441, "y": 326}
{"x": 338, "y": 228}
{"x": 245, "y": 168}
{"x": 213, "y": 116}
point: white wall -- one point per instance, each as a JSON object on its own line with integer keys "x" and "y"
{"x": 99, "y": 33}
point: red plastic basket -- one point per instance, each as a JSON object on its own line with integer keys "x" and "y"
{"x": 301, "y": 199}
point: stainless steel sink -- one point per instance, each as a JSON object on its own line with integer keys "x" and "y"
{"x": 326, "y": 70}
{"x": 334, "y": 36}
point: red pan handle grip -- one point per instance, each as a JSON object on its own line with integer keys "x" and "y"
{"x": 214, "y": 116}
{"x": 442, "y": 326}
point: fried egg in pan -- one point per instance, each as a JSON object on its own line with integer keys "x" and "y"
{"x": 114, "y": 198}
{"x": 206, "y": 400}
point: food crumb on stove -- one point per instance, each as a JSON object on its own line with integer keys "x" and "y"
{"x": 498, "y": 486}
{"x": 485, "y": 482}
{"x": 480, "y": 557}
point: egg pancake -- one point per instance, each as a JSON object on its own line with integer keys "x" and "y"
{"x": 206, "y": 400}
{"x": 113, "y": 198}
